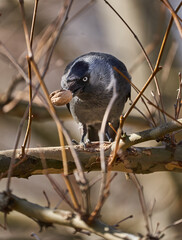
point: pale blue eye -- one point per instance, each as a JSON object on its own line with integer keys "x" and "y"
{"x": 84, "y": 79}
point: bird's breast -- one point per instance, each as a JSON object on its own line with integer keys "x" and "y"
{"x": 90, "y": 111}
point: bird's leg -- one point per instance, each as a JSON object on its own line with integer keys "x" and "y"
{"x": 107, "y": 133}
{"x": 83, "y": 129}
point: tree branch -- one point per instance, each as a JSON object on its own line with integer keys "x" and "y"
{"x": 135, "y": 160}
{"x": 151, "y": 134}
{"x": 17, "y": 105}
{"x": 46, "y": 217}
{"x": 130, "y": 160}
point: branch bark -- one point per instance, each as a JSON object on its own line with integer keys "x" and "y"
{"x": 47, "y": 217}
{"x": 135, "y": 160}
{"x": 130, "y": 160}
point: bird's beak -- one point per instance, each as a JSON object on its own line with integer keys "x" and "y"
{"x": 74, "y": 86}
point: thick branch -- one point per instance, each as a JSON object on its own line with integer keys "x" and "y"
{"x": 47, "y": 216}
{"x": 136, "y": 160}
{"x": 151, "y": 134}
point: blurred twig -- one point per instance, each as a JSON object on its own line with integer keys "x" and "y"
{"x": 64, "y": 17}
{"x": 143, "y": 204}
{"x": 58, "y": 189}
{"x": 35, "y": 68}
{"x": 28, "y": 130}
{"x": 51, "y": 109}
{"x": 123, "y": 118}
{"x": 178, "y": 104}
{"x": 6, "y": 53}
{"x": 156, "y": 69}
{"x": 144, "y": 52}
{"x": 149, "y": 48}
{"x": 169, "y": 60}
{"x": 174, "y": 14}
{"x": 104, "y": 188}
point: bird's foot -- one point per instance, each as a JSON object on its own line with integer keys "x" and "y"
{"x": 108, "y": 137}
{"x": 110, "y": 140}
{"x": 85, "y": 144}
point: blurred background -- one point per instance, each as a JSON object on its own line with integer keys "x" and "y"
{"x": 93, "y": 26}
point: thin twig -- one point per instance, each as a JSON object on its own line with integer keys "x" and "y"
{"x": 169, "y": 60}
{"x": 103, "y": 197}
{"x": 86, "y": 6}
{"x": 122, "y": 118}
{"x": 47, "y": 199}
{"x": 124, "y": 219}
{"x": 140, "y": 58}
{"x": 153, "y": 123}
{"x": 52, "y": 110}
{"x": 28, "y": 130}
{"x": 144, "y": 116}
{"x": 26, "y": 33}
{"x": 178, "y": 104}
{"x": 156, "y": 69}
{"x": 157, "y": 133}
{"x": 118, "y": 137}
{"x": 104, "y": 188}
{"x": 65, "y": 12}
{"x": 12, "y": 163}
{"x": 172, "y": 225}
{"x": 155, "y": 100}
{"x": 144, "y": 52}
{"x": 174, "y": 14}
{"x": 142, "y": 201}
{"x": 33, "y": 21}
{"x": 57, "y": 188}
{"x": 150, "y": 215}
{"x": 6, "y": 53}
{"x": 71, "y": 192}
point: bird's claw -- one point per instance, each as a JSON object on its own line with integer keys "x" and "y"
{"x": 85, "y": 143}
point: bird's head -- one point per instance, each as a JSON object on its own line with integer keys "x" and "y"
{"x": 90, "y": 75}
{"x": 76, "y": 77}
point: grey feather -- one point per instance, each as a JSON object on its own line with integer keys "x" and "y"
{"x": 91, "y": 78}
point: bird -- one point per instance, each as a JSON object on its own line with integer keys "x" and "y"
{"x": 92, "y": 79}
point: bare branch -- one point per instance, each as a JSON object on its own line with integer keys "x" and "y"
{"x": 135, "y": 160}
{"x": 153, "y": 134}
{"x": 49, "y": 216}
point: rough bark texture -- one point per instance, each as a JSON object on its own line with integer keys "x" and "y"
{"x": 136, "y": 160}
